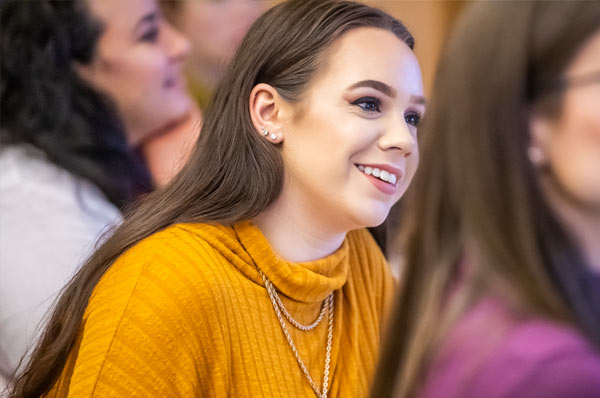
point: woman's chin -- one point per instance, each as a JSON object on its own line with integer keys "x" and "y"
{"x": 373, "y": 218}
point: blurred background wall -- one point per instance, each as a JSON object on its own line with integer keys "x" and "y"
{"x": 430, "y": 22}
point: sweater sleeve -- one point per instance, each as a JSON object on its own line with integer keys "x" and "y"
{"x": 144, "y": 331}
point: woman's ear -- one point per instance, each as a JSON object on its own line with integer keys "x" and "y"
{"x": 265, "y": 112}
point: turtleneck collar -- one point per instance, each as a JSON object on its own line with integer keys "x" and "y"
{"x": 306, "y": 282}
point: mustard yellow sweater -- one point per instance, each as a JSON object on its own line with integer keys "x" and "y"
{"x": 184, "y": 313}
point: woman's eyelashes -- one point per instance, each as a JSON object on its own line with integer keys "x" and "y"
{"x": 150, "y": 31}
{"x": 372, "y": 105}
{"x": 150, "y": 35}
{"x": 368, "y": 104}
{"x": 413, "y": 118}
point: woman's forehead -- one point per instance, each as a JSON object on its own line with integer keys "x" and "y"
{"x": 370, "y": 54}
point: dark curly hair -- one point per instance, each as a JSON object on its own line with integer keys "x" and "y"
{"x": 45, "y": 103}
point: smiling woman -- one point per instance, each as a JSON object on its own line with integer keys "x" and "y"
{"x": 349, "y": 118}
{"x": 138, "y": 64}
{"x": 251, "y": 273}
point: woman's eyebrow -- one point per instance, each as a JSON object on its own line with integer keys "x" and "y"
{"x": 377, "y": 85}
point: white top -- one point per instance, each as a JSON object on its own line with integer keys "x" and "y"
{"x": 49, "y": 223}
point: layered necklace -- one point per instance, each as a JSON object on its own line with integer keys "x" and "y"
{"x": 282, "y": 312}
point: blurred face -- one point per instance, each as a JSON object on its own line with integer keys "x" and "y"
{"x": 571, "y": 142}
{"x": 138, "y": 64}
{"x": 215, "y": 28}
{"x": 350, "y": 148}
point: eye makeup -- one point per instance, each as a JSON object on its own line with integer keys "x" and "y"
{"x": 368, "y": 104}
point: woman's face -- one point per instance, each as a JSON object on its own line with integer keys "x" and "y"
{"x": 571, "y": 142}
{"x": 215, "y": 28}
{"x": 350, "y": 147}
{"x": 138, "y": 64}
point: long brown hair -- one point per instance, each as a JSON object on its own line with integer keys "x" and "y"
{"x": 233, "y": 173}
{"x": 476, "y": 195}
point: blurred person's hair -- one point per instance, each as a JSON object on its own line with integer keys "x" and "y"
{"x": 233, "y": 173}
{"x": 46, "y": 104}
{"x": 476, "y": 197}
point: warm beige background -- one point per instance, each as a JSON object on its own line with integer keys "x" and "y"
{"x": 430, "y": 22}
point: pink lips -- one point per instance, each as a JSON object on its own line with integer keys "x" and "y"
{"x": 383, "y": 186}
{"x": 175, "y": 81}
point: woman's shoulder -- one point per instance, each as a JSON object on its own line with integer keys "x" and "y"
{"x": 155, "y": 310}
{"x": 197, "y": 243}
{"x": 30, "y": 181}
{"x": 49, "y": 221}
{"x": 171, "y": 277}
{"x": 491, "y": 353}
{"x": 183, "y": 258}
{"x": 541, "y": 358}
{"x": 27, "y": 167}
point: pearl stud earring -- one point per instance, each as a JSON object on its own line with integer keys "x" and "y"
{"x": 273, "y": 136}
{"x": 536, "y": 156}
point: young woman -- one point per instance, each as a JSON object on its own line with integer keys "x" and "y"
{"x": 501, "y": 292}
{"x": 250, "y": 274}
{"x": 215, "y": 29}
{"x": 83, "y": 84}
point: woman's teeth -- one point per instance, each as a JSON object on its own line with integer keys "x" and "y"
{"x": 381, "y": 174}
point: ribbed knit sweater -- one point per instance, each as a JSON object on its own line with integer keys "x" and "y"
{"x": 185, "y": 313}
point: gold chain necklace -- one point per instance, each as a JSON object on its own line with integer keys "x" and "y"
{"x": 326, "y": 306}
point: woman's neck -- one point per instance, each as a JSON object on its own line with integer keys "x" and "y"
{"x": 296, "y": 236}
{"x": 586, "y": 229}
{"x": 583, "y": 222}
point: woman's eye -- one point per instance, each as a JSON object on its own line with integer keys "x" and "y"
{"x": 413, "y": 118}
{"x": 150, "y": 36}
{"x": 368, "y": 104}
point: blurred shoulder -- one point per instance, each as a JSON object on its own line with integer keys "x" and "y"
{"x": 31, "y": 184}
{"x": 493, "y": 353}
{"x": 542, "y": 358}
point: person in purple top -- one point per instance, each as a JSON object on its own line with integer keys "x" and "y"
{"x": 500, "y": 293}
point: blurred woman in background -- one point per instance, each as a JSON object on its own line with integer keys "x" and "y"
{"x": 215, "y": 29}
{"x": 251, "y": 274}
{"x": 500, "y": 296}
{"x": 84, "y": 84}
